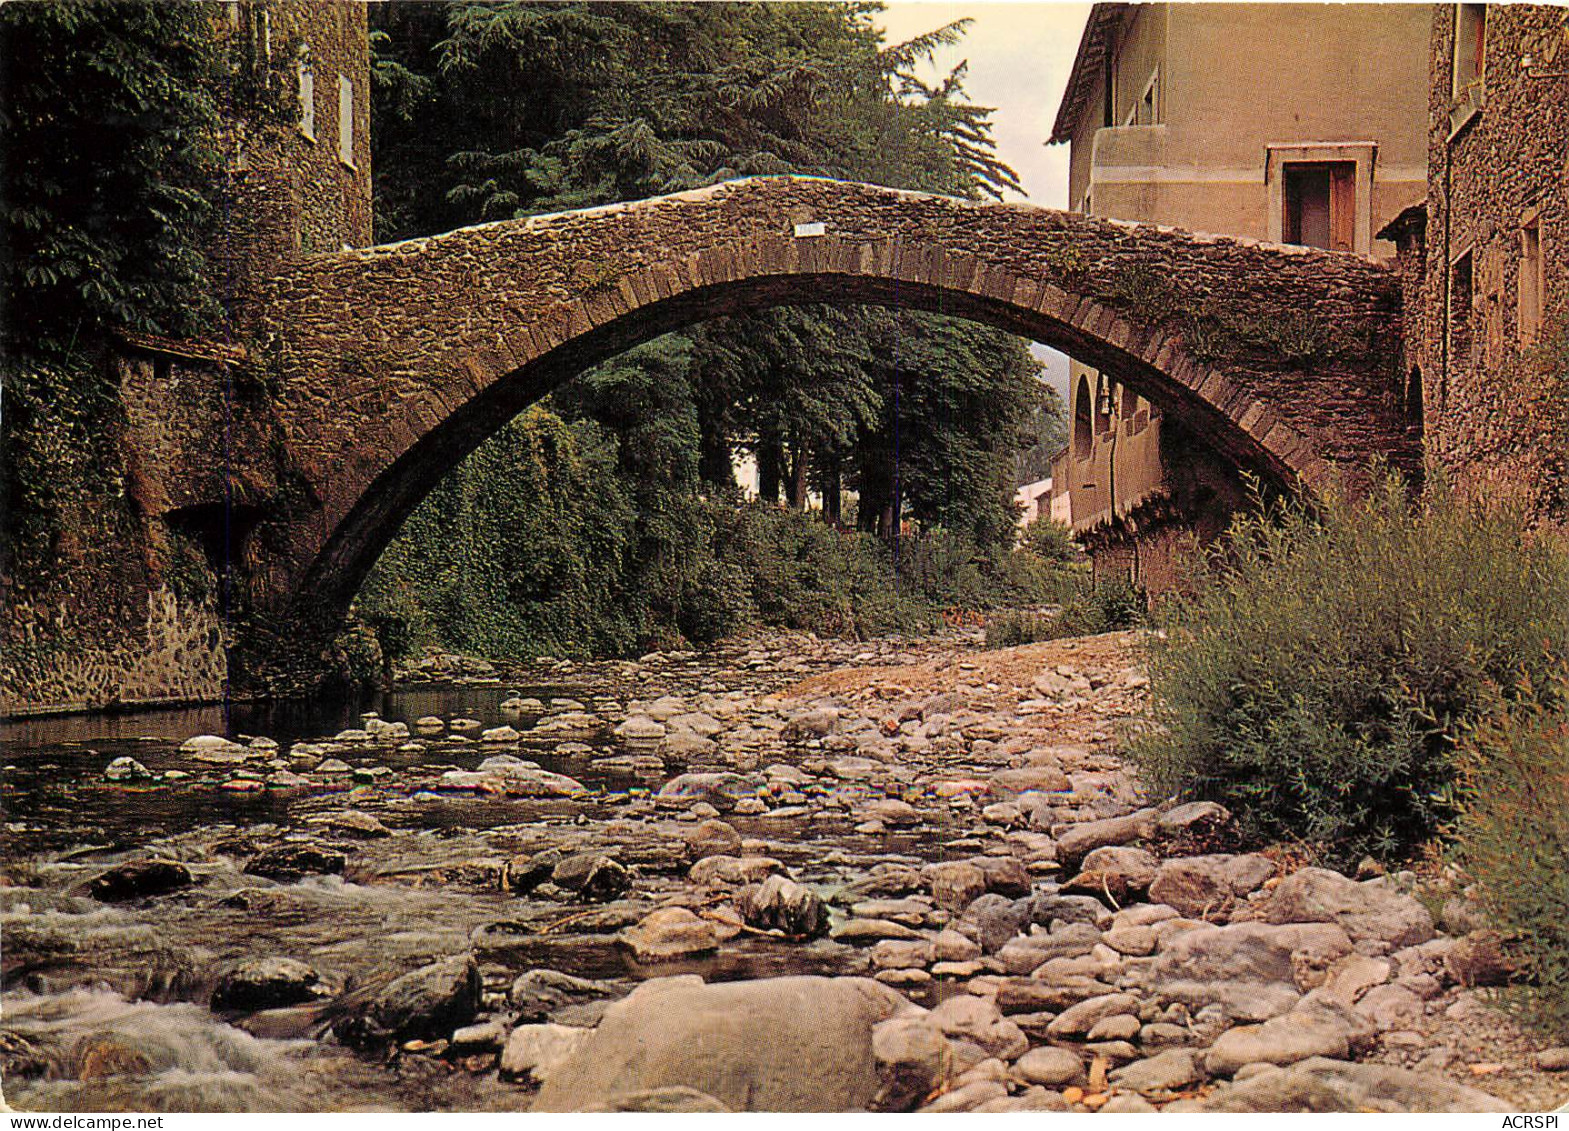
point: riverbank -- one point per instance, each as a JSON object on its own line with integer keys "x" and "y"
{"x": 449, "y": 906}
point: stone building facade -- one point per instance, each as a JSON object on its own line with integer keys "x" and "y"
{"x": 147, "y": 618}
{"x": 1485, "y": 261}
{"x": 303, "y": 185}
{"x": 1291, "y": 123}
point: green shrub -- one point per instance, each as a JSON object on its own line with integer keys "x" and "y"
{"x": 1513, "y": 841}
{"x": 1018, "y": 626}
{"x": 1049, "y": 539}
{"x": 1089, "y": 607}
{"x": 1317, "y": 681}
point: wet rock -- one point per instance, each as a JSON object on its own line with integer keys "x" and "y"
{"x": 1370, "y": 910}
{"x": 669, "y": 933}
{"x": 126, "y": 769}
{"x": 423, "y": 1004}
{"x": 430, "y": 723}
{"x": 721, "y": 790}
{"x": 733, "y": 871}
{"x": 781, "y": 904}
{"x": 1050, "y": 1066}
{"x": 954, "y": 885}
{"x": 533, "y": 1052}
{"x": 775, "y": 1044}
{"x": 1169, "y": 1071}
{"x": 891, "y": 812}
{"x": 139, "y": 880}
{"x": 592, "y": 875}
{"x": 354, "y": 823}
{"x": 539, "y": 993}
{"x": 1322, "y": 1085}
{"x": 499, "y": 736}
{"x": 1201, "y": 885}
{"x": 1074, "y": 842}
{"x": 712, "y": 838}
{"x": 858, "y": 930}
{"x": 965, "y": 1017}
{"x": 266, "y": 983}
{"x": 296, "y": 861}
{"x": 811, "y": 724}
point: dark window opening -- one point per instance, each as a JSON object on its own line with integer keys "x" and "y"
{"x": 1083, "y": 430}
{"x": 1414, "y": 397}
{"x": 1320, "y": 202}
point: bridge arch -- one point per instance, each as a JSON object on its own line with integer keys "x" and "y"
{"x": 396, "y": 361}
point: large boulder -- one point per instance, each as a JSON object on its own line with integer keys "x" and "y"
{"x": 1249, "y": 968}
{"x": 776, "y": 1044}
{"x": 1371, "y": 910}
{"x": 1199, "y": 886}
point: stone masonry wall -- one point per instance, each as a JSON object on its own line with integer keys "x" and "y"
{"x": 1496, "y": 407}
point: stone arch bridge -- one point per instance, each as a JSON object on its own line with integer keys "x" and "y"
{"x": 387, "y": 365}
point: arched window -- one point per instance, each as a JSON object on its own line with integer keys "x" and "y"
{"x": 1083, "y": 429}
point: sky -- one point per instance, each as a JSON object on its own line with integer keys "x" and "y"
{"x": 1019, "y": 55}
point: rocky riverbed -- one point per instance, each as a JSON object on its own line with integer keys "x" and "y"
{"x": 788, "y": 874}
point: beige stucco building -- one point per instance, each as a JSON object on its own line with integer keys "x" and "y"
{"x": 1297, "y": 123}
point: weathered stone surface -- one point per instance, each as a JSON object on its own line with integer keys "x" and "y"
{"x": 914, "y": 1060}
{"x": 1168, "y": 1071}
{"x": 670, "y": 932}
{"x": 1050, "y": 1066}
{"x": 1074, "y": 842}
{"x": 539, "y": 993}
{"x": 776, "y": 1044}
{"x": 1370, "y": 910}
{"x": 533, "y": 1052}
{"x": 781, "y": 904}
{"x": 965, "y": 1017}
{"x": 1320, "y": 1085}
{"x": 426, "y": 1003}
{"x": 1196, "y": 885}
{"x": 1248, "y": 967}
{"x": 266, "y": 983}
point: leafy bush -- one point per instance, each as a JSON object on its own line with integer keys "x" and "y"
{"x": 1090, "y": 608}
{"x": 1049, "y": 539}
{"x": 1513, "y": 838}
{"x": 1318, "y": 681}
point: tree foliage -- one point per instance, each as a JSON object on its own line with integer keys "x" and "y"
{"x": 609, "y": 102}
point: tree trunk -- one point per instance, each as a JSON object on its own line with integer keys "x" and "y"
{"x": 770, "y": 460}
{"x": 797, "y": 487}
{"x": 833, "y": 493}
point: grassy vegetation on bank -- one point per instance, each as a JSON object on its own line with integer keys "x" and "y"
{"x": 1377, "y": 675}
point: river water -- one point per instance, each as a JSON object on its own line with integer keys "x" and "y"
{"x": 106, "y": 1005}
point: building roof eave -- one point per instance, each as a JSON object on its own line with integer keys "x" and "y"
{"x": 1093, "y": 44}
